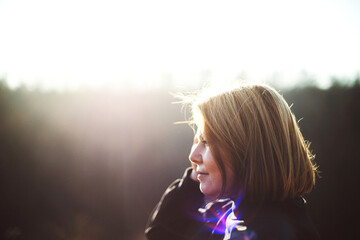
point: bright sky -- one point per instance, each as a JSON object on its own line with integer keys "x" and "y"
{"x": 71, "y": 43}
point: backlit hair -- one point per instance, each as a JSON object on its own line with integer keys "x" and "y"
{"x": 268, "y": 154}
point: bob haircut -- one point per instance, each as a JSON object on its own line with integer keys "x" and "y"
{"x": 254, "y": 125}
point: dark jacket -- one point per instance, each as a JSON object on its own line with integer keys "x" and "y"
{"x": 177, "y": 217}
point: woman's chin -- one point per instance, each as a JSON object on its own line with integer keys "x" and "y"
{"x": 208, "y": 191}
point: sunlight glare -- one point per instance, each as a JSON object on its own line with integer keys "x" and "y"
{"x": 74, "y": 43}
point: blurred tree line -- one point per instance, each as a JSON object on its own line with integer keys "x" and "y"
{"x": 93, "y": 164}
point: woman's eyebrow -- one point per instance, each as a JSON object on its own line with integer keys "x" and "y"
{"x": 202, "y": 136}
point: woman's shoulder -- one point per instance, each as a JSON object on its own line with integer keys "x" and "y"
{"x": 281, "y": 220}
{"x": 175, "y": 216}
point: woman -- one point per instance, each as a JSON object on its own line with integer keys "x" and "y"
{"x": 250, "y": 169}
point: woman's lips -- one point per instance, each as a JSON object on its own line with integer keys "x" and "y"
{"x": 201, "y": 176}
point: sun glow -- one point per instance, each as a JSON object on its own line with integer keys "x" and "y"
{"x": 73, "y": 43}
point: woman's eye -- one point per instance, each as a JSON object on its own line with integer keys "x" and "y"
{"x": 204, "y": 142}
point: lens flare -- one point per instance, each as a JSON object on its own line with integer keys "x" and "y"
{"x": 219, "y": 217}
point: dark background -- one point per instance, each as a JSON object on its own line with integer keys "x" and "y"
{"x": 92, "y": 164}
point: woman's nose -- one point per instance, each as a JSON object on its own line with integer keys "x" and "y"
{"x": 195, "y": 154}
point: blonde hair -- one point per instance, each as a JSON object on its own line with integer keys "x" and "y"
{"x": 255, "y": 126}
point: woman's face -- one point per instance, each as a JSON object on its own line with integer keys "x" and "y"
{"x": 206, "y": 168}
